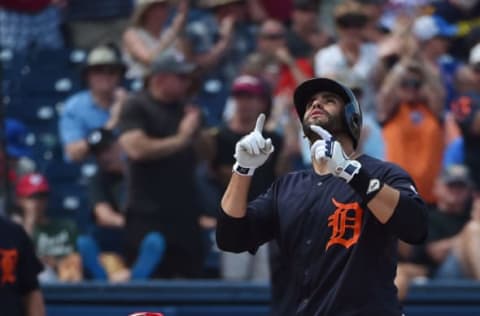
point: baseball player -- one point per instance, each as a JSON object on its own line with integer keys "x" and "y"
{"x": 337, "y": 224}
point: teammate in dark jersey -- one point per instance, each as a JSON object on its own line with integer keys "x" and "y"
{"x": 338, "y": 224}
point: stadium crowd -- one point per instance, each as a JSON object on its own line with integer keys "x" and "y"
{"x": 160, "y": 92}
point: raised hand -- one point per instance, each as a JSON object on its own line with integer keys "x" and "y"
{"x": 328, "y": 150}
{"x": 252, "y": 150}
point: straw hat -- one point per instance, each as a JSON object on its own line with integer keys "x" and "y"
{"x": 141, "y": 6}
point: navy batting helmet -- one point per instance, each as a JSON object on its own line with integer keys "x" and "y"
{"x": 352, "y": 112}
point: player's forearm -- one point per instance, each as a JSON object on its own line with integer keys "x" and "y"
{"x": 234, "y": 201}
{"x": 404, "y": 215}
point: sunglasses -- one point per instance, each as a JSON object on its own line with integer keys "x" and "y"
{"x": 351, "y": 21}
{"x": 411, "y": 84}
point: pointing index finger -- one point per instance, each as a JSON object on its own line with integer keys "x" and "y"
{"x": 260, "y": 123}
{"x": 320, "y": 131}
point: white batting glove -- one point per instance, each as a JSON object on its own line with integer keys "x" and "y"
{"x": 252, "y": 150}
{"x": 330, "y": 151}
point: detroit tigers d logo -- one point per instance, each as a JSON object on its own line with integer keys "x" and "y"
{"x": 346, "y": 224}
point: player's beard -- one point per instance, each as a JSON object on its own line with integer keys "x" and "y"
{"x": 334, "y": 124}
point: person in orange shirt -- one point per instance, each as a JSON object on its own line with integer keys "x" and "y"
{"x": 410, "y": 107}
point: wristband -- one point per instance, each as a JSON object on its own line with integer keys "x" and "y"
{"x": 366, "y": 186}
{"x": 243, "y": 171}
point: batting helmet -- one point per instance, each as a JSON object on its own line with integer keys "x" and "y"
{"x": 352, "y": 113}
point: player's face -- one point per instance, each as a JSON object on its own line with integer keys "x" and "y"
{"x": 324, "y": 109}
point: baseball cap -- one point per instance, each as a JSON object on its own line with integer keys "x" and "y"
{"x": 171, "y": 61}
{"x": 474, "y": 57}
{"x": 427, "y": 27}
{"x": 16, "y": 135}
{"x": 456, "y": 174}
{"x": 248, "y": 84}
{"x": 100, "y": 139}
{"x": 30, "y": 184}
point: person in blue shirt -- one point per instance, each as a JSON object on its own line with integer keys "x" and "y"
{"x": 98, "y": 106}
{"x": 337, "y": 225}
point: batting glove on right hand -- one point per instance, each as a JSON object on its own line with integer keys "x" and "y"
{"x": 252, "y": 150}
{"x": 329, "y": 150}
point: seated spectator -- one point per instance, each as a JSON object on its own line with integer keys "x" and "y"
{"x": 21, "y": 294}
{"x": 449, "y": 252}
{"x": 466, "y": 110}
{"x": 410, "y": 108}
{"x": 147, "y": 36}
{"x": 54, "y": 239}
{"x": 102, "y": 250}
{"x": 98, "y": 106}
{"x": 30, "y": 23}
{"x": 92, "y": 22}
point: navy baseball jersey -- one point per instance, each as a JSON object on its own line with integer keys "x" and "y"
{"x": 341, "y": 259}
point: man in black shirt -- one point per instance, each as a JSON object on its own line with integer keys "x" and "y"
{"x": 338, "y": 225}
{"x": 19, "y": 267}
{"x": 157, "y": 133}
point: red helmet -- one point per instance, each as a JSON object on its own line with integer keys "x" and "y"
{"x": 31, "y": 183}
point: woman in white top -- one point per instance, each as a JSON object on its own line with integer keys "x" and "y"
{"x": 351, "y": 54}
{"x": 147, "y": 36}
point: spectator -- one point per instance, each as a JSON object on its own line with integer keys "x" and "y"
{"x": 451, "y": 235}
{"x": 434, "y": 35}
{"x": 147, "y": 36}
{"x": 465, "y": 15}
{"x": 251, "y": 97}
{"x": 54, "y": 239}
{"x": 158, "y": 130}
{"x": 410, "y": 107}
{"x": 92, "y": 22}
{"x": 304, "y": 37}
{"x": 471, "y": 74}
{"x": 466, "y": 110}
{"x": 20, "y": 293}
{"x": 220, "y": 43}
{"x": 103, "y": 249}
{"x": 16, "y": 161}
{"x": 261, "y": 10}
{"x": 28, "y": 23}
{"x": 98, "y": 106}
{"x": 350, "y": 53}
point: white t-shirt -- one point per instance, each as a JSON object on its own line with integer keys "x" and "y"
{"x": 331, "y": 62}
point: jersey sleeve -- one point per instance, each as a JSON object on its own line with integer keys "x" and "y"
{"x": 409, "y": 220}
{"x": 29, "y": 266}
{"x": 253, "y": 230}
